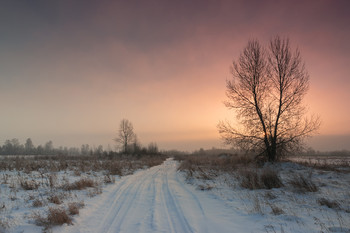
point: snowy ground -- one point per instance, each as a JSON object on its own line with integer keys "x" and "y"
{"x": 284, "y": 209}
{"x": 32, "y": 188}
{"x": 158, "y": 200}
{"x": 162, "y": 199}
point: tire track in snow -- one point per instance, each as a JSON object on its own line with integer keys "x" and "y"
{"x": 116, "y": 207}
{"x": 149, "y": 218}
{"x": 191, "y": 201}
{"x": 140, "y": 196}
{"x": 126, "y": 202}
{"x": 153, "y": 200}
{"x": 176, "y": 218}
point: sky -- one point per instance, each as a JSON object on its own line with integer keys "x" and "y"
{"x": 70, "y": 71}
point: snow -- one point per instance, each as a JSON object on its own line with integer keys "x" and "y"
{"x": 157, "y": 200}
{"x": 300, "y": 211}
{"x": 161, "y": 199}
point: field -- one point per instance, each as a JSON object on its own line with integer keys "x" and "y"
{"x": 296, "y": 195}
{"x": 201, "y": 192}
{"x": 39, "y": 192}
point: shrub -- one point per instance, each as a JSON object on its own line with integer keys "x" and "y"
{"x": 303, "y": 184}
{"x": 80, "y": 184}
{"x": 73, "y": 208}
{"x": 58, "y": 216}
{"x": 265, "y": 178}
{"x": 270, "y": 179}
{"x": 114, "y": 167}
{"x": 55, "y": 216}
{"x": 249, "y": 179}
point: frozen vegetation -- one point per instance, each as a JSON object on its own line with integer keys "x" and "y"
{"x": 41, "y": 192}
{"x": 192, "y": 193}
{"x": 298, "y": 195}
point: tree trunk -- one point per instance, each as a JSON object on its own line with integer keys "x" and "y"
{"x": 125, "y": 148}
{"x": 272, "y": 152}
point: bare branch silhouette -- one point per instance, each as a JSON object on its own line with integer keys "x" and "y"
{"x": 126, "y": 135}
{"x": 266, "y": 91}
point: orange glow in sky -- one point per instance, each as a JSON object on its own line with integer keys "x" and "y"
{"x": 70, "y": 71}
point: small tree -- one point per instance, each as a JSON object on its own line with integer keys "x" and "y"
{"x": 266, "y": 91}
{"x": 126, "y": 135}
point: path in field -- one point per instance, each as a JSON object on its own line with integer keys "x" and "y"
{"x": 156, "y": 200}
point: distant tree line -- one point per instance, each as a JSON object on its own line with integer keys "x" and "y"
{"x": 14, "y": 147}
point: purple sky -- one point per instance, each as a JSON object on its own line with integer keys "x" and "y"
{"x": 71, "y": 70}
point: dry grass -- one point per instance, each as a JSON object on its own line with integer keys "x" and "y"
{"x": 95, "y": 191}
{"x": 275, "y": 210}
{"x": 55, "y": 216}
{"x": 249, "y": 179}
{"x": 74, "y": 207}
{"x": 270, "y": 178}
{"x": 58, "y": 216}
{"x": 114, "y": 164}
{"x": 250, "y": 176}
{"x": 330, "y": 204}
{"x": 322, "y": 163}
{"x": 109, "y": 179}
{"x": 50, "y": 177}
{"x": 80, "y": 184}
{"x": 295, "y": 194}
{"x": 206, "y": 167}
{"x": 55, "y": 199}
{"x": 29, "y": 184}
{"x": 264, "y": 178}
{"x": 52, "y": 180}
{"x": 303, "y": 184}
{"x": 37, "y": 203}
{"x": 214, "y": 162}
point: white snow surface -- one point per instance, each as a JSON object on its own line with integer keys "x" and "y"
{"x": 157, "y": 200}
{"x": 162, "y": 199}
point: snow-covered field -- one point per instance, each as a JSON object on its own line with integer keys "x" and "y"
{"x": 162, "y": 199}
{"x": 32, "y": 188}
{"x": 323, "y": 160}
{"x": 323, "y": 208}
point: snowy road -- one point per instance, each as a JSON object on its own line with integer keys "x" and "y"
{"x": 156, "y": 200}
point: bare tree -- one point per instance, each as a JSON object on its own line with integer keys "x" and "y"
{"x": 126, "y": 135}
{"x": 266, "y": 91}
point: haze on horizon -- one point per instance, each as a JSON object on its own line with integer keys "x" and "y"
{"x": 71, "y": 70}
